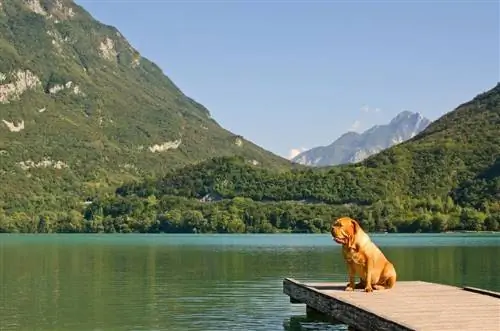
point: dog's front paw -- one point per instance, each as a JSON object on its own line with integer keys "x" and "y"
{"x": 349, "y": 288}
{"x": 368, "y": 289}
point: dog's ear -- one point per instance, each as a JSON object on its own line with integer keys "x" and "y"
{"x": 354, "y": 229}
{"x": 355, "y": 226}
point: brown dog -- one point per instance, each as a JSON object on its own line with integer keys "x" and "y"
{"x": 362, "y": 256}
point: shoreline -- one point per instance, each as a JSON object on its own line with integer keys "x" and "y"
{"x": 246, "y": 233}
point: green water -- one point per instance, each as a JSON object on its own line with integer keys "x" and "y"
{"x": 204, "y": 282}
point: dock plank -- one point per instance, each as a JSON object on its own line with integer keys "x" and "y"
{"x": 414, "y": 305}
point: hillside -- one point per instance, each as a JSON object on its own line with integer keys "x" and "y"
{"x": 353, "y": 147}
{"x": 445, "y": 178}
{"x": 81, "y": 111}
{"x": 460, "y": 147}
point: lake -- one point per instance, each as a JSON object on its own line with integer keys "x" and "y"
{"x": 205, "y": 282}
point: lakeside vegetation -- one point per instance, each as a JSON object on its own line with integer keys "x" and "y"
{"x": 170, "y": 214}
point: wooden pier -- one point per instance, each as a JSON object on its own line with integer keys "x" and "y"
{"x": 414, "y": 305}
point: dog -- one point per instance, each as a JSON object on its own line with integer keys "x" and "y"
{"x": 363, "y": 258}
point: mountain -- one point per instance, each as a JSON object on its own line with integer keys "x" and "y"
{"x": 81, "y": 110}
{"x": 447, "y": 177}
{"x": 353, "y": 147}
{"x": 95, "y": 138}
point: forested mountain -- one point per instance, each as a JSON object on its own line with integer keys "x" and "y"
{"x": 82, "y": 111}
{"x": 445, "y": 178}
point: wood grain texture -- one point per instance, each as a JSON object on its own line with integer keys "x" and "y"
{"x": 414, "y": 305}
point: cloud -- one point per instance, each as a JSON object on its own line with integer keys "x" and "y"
{"x": 295, "y": 151}
{"x": 368, "y": 109}
{"x": 355, "y": 126}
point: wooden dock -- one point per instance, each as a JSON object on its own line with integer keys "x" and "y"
{"x": 414, "y": 305}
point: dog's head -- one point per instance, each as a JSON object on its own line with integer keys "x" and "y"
{"x": 344, "y": 231}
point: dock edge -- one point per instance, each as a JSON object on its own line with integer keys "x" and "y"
{"x": 344, "y": 312}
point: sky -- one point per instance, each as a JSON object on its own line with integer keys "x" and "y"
{"x": 292, "y": 75}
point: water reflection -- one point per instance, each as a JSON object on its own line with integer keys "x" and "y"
{"x": 129, "y": 283}
{"x": 304, "y": 323}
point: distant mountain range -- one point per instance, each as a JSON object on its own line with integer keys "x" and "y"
{"x": 353, "y": 147}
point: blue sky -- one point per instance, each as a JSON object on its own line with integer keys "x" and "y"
{"x": 289, "y": 75}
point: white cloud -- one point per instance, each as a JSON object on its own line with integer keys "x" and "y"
{"x": 295, "y": 151}
{"x": 355, "y": 126}
{"x": 368, "y": 109}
